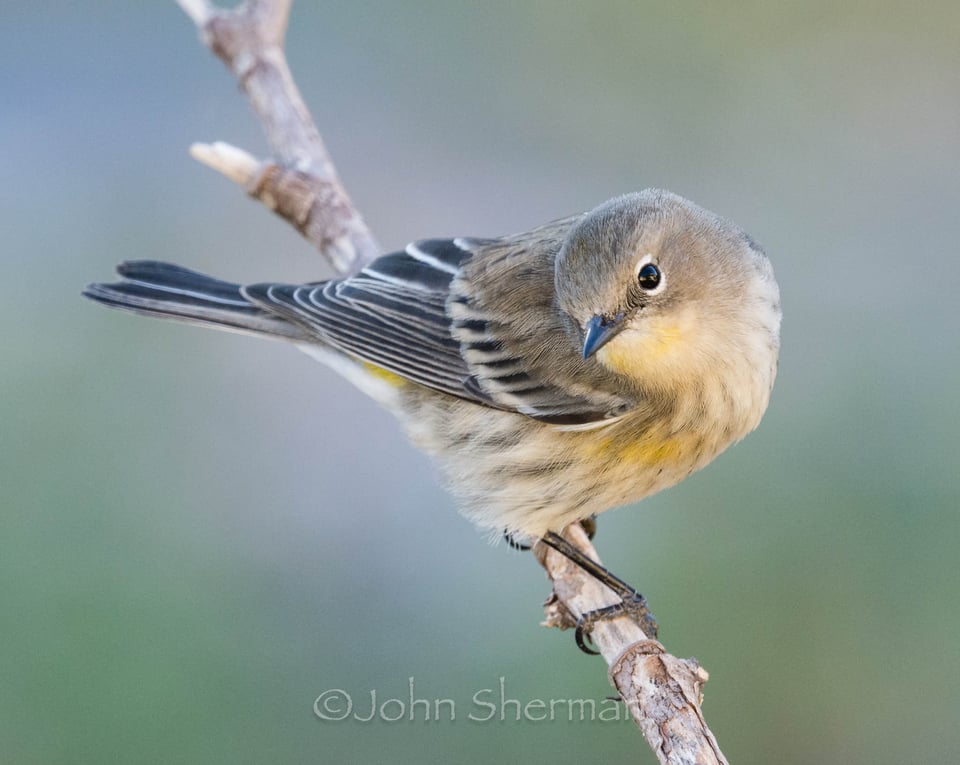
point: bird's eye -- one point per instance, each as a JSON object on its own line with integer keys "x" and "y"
{"x": 648, "y": 277}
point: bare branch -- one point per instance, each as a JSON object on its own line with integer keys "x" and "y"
{"x": 662, "y": 692}
{"x": 302, "y": 186}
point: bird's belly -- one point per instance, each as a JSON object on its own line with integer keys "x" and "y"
{"x": 511, "y": 473}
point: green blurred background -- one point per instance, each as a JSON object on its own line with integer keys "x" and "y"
{"x": 201, "y": 533}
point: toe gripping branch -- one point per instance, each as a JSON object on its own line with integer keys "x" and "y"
{"x": 632, "y": 603}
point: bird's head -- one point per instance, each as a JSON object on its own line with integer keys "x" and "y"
{"x": 662, "y": 291}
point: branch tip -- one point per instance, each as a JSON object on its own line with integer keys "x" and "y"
{"x": 236, "y": 164}
{"x": 199, "y": 11}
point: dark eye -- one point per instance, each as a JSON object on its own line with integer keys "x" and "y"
{"x": 648, "y": 277}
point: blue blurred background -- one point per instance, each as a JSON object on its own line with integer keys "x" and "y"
{"x": 201, "y": 533}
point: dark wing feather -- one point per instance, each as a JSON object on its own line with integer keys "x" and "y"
{"x": 392, "y": 314}
{"x": 426, "y": 315}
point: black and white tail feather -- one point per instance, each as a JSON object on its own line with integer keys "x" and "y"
{"x": 165, "y": 290}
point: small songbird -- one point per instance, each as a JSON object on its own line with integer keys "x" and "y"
{"x": 554, "y": 374}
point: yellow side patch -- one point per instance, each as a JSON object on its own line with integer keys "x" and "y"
{"x": 650, "y": 450}
{"x": 391, "y": 378}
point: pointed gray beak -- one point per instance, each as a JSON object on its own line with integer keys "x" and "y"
{"x": 600, "y": 330}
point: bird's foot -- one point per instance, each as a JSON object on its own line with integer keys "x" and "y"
{"x": 633, "y": 605}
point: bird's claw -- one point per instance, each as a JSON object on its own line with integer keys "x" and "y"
{"x": 634, "y": 606}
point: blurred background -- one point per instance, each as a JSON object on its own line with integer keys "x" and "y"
{"x": 201, "y": 533}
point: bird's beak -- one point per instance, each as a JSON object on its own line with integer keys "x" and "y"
{"x": 600, "y": 330}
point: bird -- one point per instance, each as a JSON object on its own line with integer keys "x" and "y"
{"x": 554, "y": 374}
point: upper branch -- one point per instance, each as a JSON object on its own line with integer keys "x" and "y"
{"x": 302, "y": 186}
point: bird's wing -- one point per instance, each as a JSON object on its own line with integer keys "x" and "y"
{"x": 408, "y": 313}
{"x": 392, "y": 314}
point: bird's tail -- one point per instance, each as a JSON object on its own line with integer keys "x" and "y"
{"x": 171, "y": 292}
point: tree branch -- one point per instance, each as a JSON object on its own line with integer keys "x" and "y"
{"x": 662, "y": 692}
{"x": 302, "y": 186}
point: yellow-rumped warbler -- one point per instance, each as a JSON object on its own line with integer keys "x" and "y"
{"x": 554, "y": 374}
